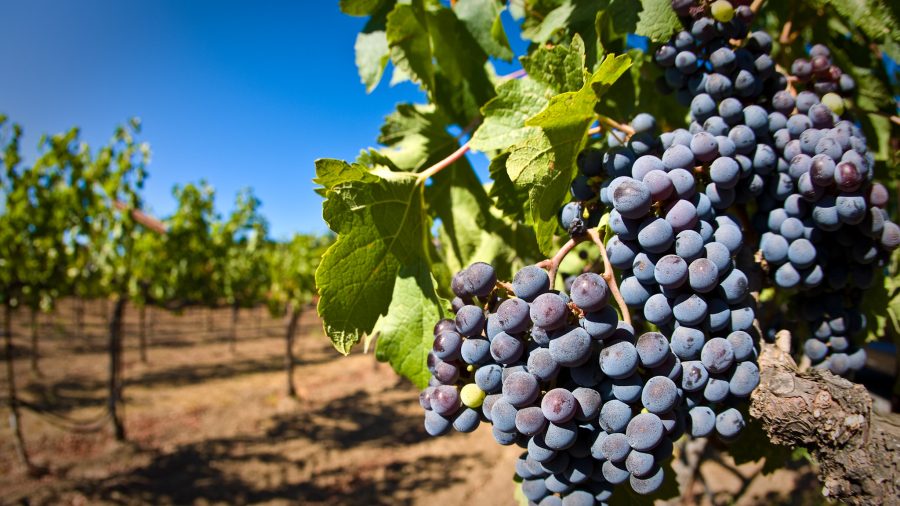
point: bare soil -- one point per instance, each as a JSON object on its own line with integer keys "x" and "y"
{"x": 208, "y": 426}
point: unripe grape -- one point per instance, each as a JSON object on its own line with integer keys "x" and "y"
{"x": 472, "y": 396}
{"x": 722, "y": 11}
{"x": 834, "y": 102}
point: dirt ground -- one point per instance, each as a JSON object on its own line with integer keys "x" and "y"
{"x": 208, "y": 426}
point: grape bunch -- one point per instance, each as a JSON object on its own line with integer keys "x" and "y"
{"x": 561, "y": 375}
{"x": 806, "y": 171}
{"x": 824, "y": 77}
{"x": 701, "y": 60}
{"x": 833, "y": 327}
{"x": 824, "y": 223}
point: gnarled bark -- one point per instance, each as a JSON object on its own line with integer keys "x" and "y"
{"x": 858, "y": 451}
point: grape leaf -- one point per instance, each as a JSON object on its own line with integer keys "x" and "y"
{"x": 550, "y": 71}
{"x": 460, "y": 202}
{"x": 657, "y": 20}
{"x": 360, "y": 7}
{"x": 416, "y": 136}
{"x": 482, "y": 19}
{"x": 372, "y": 55}
{"x": 410, "y": 46}
{"x": 461, "y": 84}
{"x": 614, "y": 21}
{"x": 381, "y": 226}
{"x": 470, "y": 230}
{"x": 371, "y": 47}
{"x": 507, "y": 197}
{"x": 406, "y": 331}
{"x": 505, "y": 115}
{"x": 872, "y": 17}
{"x": 560, "y": 67}
{"x": 881, "y": 302}
{"x": 544, "y": 164}
{"x": 555, "y": 21}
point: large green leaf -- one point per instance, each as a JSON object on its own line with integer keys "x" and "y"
{"x": 372, "y": 55}
{"x": 560, "y": 68}
{"x": 552, "y": 23}
{"x": 405, "y": 333}
{"x": 410, "y": 46}
{"x": 381, "y": 226}
{"x": 461, "y": 84}
{"x": 550, "y": 71}
{"x": 505, "y": 115}
{"x": 657, "y": 20}
{"x": 416, "y": 136}
{"x": 544, "y": 164}
{"x": 482, "y": 19}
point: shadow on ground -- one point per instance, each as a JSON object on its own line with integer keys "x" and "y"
{"x": 206, "y": 471}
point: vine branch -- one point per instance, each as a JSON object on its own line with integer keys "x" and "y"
{"x": 856, "y": 449}
{"x": 141, "y": 217}
{"x": 443, "y": 164}
{"x": 618, "y": 126}
{"x": 755, "y": 6}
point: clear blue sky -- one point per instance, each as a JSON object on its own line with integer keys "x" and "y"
{"x": 237, "y": 93}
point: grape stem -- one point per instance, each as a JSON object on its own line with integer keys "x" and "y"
{"x": 610, "y": 276}
{"x": 552, "y": 264}
{"x": 616, "y": 125}
{"x": 785, "y": 36}
{"x": 790, "y": 80}
{"x": 443, "y": 164}
{"x": 755, "y": 6}
{"x": 506, "y": 286}
{"x": 514, "y": 75}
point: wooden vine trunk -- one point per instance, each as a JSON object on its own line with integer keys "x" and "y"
{"x": 15, "y": 418}
{"x": 115, "y": 368}
{"x": 858, "y": 451}
{"x": 289, "y": 350}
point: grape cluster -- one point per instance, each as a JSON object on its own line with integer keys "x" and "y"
{"x": 560, "y": 375}
{"x": 833, "y": 327}
{"x": 701, "y": 61}
{"x": 790, "y": 158}
{"x": 824, "y": 222}
{"x": 824, "y": 77}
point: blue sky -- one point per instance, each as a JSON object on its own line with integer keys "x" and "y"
{"x": 237, "y": 93}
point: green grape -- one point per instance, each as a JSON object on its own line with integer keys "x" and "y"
{"x": 834, "y": 102}
{"x": 471, "y": 395}
{"x": 722, "y": 11}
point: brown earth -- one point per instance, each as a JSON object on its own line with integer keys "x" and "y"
{"x": 207, "y": 426}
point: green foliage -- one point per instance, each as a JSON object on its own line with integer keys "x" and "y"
{"x": 545, "y": 163}
{"x": 399, "y": 232}
{"x": 657, "y": 20}
{"x": 241, "y": 241}
{"x": 69, "y": 226}
{"x": 397, "y": 218}
{"x": 379, "y": 218}
{"x": 292, "y": 271}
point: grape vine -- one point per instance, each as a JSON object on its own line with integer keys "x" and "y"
{"x": 738, "y": 201}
